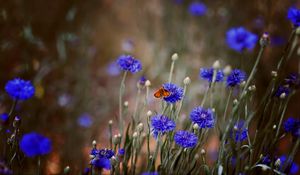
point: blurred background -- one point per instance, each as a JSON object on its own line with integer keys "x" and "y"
{"x": 68, "y": 48}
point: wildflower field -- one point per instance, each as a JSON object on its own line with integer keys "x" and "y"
{"x": 149, "y": 88}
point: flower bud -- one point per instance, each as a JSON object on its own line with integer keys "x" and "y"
{"x": 274, "y": 74}
{"x": 274, "y": 126}
{"x": 174, "y": 57}
{"x": 202, "y": 151}
{"x": 235, "y": 128}
{"x": 213, "y": 110}
{"x": 94, "y": 143}
{"x": 220, "y": 170}
{"x": 110, "y": 122}
{"x": 227, "y": 70}
{"x": 135, "y": 135}
{"x": 195, "y": 126}
{"x": 243, "y": 83}
{"x": 187, "y": 81}
{"x": 196, "y": 157}
{"x": 216, "y": 64}
{"x": 235, "y": 101}
{"x": 149, "y": 113}
{"x": 116, "y": 140}
{"x": 140, "y": 127}
{"x": 283, "y": 95}
{"x": 147, "y": 83}
{"x": 298, "y": 31}
{"x": 278, "y": 162}
{"x": 264, "y": 40}
{"x": 66, "y": 170}
{"x": 113, "y": 161}
{"x": 126, "y": 103}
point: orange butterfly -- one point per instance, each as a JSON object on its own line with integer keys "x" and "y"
{"x": 161, "y": 92}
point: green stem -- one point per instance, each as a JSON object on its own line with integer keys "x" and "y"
{"x": 121, "y": 93}
{"x": 171, "y": 71}
{"x": 39, "y": 165}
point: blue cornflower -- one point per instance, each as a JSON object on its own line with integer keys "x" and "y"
{"x": 4, "y": 117}
{"x": 197, "y": 9}
{"x": 121, "y": 152}
{"x": 161, "y": 124}
{"x": 293, "y": 80}
{"x": 281, "y": 90}
{"x": 239, "y": 132}
{"x": 294, "y": 16}
{"x": 150, "y": 173}
{"x": 207, "y": 74}
{"x": 101, "y": 158}
{"x": 292, "y": 125}
{"x": 185, "y": 139}
{"x": 240, "y": 38}
{"x": 294, "y": 167}
{"x": 85, "y": 120}
{"x": 34, "y": 144}
{"x": 113, "y": 69}
{"x": 176, "y": 92}
{"x": 235, "y": 77}
{"x": 266, "y": 160}
{"x": 203, "y": 117}
{"x": 129, "y": 63}
{"x": 19, "y": 89}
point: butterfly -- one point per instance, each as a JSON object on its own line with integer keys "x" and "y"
{"x": 161, "y": 92}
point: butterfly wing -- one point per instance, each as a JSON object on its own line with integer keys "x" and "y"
{"x": 166, "y": 93}
{"x": 158, "y": 93}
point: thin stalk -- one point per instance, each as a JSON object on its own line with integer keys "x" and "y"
{"x": 121, "y": 93}
{"x": 155, "y": 153}
{"x": 292, "y": 154}
{"x": 171, "y": 71}
{"x": 205, "y": 96}
{"x": 181, "y": 102}
{"x": 281, "y": 118}
{"x": 227, "y": 103}
{"x": 39, "y": 165}
{"x": 135, "y": 114}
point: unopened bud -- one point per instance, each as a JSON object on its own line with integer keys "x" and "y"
{"x": 235, "y": 128}
{"x": 116, "y": 140}
{"x": 135, "y": 135}
{"x": 187, "y": 81}
{"x": 94, "y": 143}
{"x": 220, "y": 170}
{"x": 195, "y": 126}
{"x": 278, "y": 162}
{"x": 213, "y": 110}
{"x": 264, "y": 40}
{"x": 274, "y": 74}
{"x": 66, "y": 170}
{"x": 235, "y": 101}
{"x": 126, "y": 103}
{"x": 283, "y": 95}
{"x": 216, "y": 64}
{"x": 274, "y": 126}
{"x": 252, "y": 88}
{"x": 140, "y": 127}
{"x": 298, "y": 31}
{"x": 196, "y": 157}
{"x": 174, "y": 57}
{"x": 149, "y": 113}
{"x": 147, "y": 83}
{"x": 227, "y": 70}
{"x": 110, "y": 122}
{"x": 202, "y": 151}
{"x": 243, "y": 83}
{"x": 113, "y": 161}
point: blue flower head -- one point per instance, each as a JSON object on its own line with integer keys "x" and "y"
{"x": 4, "y": 117}
{"x": 236, "y": 77}
{"x": 292, "y": 125}
{"x": 129, "y": 63}
{"x": 19, "y": 89}
{"x": 34, "y": 144}
{"x": 176, "y": 92}
{"x": 161, "y": 124}
{"x": 142, "y": 80}
{"x": 185, "y": 139}
{"x": 203, "y": 117}
{"x": 266, "y": 160}
{"x": 294, "y": 16}
{"x": 85, "y": 120}
{"x": 239, "y": 133}
{"x": 208, "y": 73}
{"x": 293, "y": 80}
{"x": 294, "y": 167}
{"x": 240, "y": 39}
{"x": 101, "y": 158}
{"x": 281, "y": 90}
{"x": 197, "y": 9}
{"x": 121, "y": 152}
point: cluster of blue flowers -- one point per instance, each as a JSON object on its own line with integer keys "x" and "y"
{"x": 292, "y": 125}
{"x": 294, "y": 16}
{"x": 19, "y": 89}
{"x": 176, "y": 92}
{"x": 240, "y": 39}
{"x": 129, "y": 63}
{"x": 185, "y": 139}
{"x": 197, "y": 9}
{"x": 236, "y": 77}
{"x": 239, "y": 132}
{"x": 208, "y": 73}
{"x": 34, "y": 144}
{"x": 203, "y": 117}
{"x": 162, "y": 124}
{"x": 101, "y": 158}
